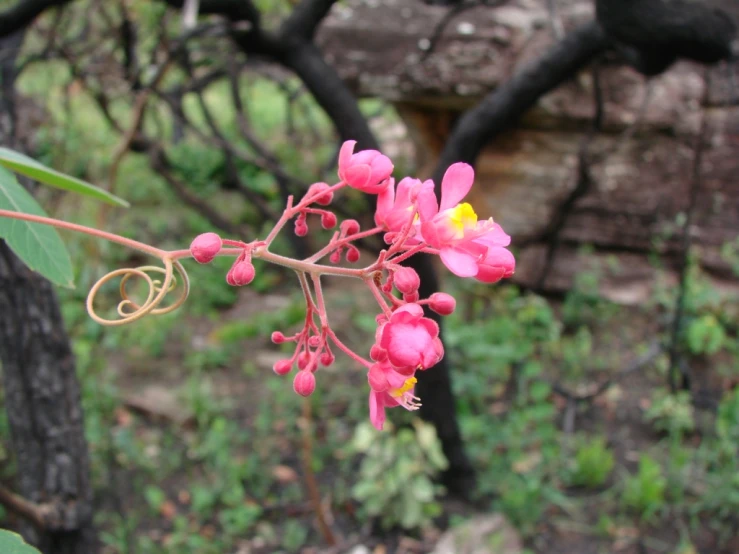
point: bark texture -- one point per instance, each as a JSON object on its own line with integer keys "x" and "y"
{"x": 42, "y": 394}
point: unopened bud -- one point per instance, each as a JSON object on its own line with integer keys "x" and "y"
{"x": 352, "y": 254}
{"x": 242, "y": 273}
{"x": 278, "y": 337}
{"x": 304, "y": 383}
{"x": 411, "y": 297}
{"x": 349, "y": 227}
{"x": 328, "y": 220}
{"x": 327, "y": 359}
{"x": 442, "y": 303}
{"x": 335, "y": 256}
{"x": 205, "y": 247}
{"x": 303, "y": 360}
{"x": 406, "y": 280}
{"x": 282, "y": 367}
{"x": 301, "y": 229}
{"x": 324, "y": 199}
{"x": 314, "y": 341}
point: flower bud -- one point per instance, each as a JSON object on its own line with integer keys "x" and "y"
{"x": 352, "y": 254}
{"x": 242, "y": 273}
{"x": 349, "y": 227}
{"x": 278, "y": 337}
{"x": 205, "y": 247}
{"x": 301, "y": 229}
{"x": 304, "y": 383}
{"x": 303, "y": 360}
{"x": 282, "y": 367}
{"x": 324, "y": 199}
{"x": 442, "y": 303}
{"x": 314, "y": 341}
{"x": 411, "y": 297}
{"x": 335, "y": 256}
{"x": 328, "y": 220}
{"x": 406, "y": 280}
{"x": 327, "y": 358}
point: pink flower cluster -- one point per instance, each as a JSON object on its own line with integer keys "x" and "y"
{"x": 412, "y": 221}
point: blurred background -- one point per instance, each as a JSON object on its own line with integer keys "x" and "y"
{"x": 587, "y": 405}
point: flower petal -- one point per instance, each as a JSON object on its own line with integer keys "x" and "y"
{"x": 358, "y": 176}
{"x": 385, "y": 201}
{"x": 462, "y": 264}
{"x": 427, "y": 204}
{"x": 345, "y": 155}
{"x": 377, "y": 409}
{"x": 456, "y": 184}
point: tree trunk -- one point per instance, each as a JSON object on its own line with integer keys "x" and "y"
{"x": 42, "y": 394}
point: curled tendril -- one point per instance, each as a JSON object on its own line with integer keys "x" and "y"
{"x": 127, "y": 309}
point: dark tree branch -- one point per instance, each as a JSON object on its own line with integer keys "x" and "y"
{"x": 686, "y": 241}
{"x": 503, "y": 107}
{"x": 305, "y": 18}
{"x": 22, "y": 14}
{"x": 582, "y": 185}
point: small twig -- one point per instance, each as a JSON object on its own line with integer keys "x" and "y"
{"x": 655, "y": 350}
{"x": 554, "y": 20}
{"x": 310, "y": 476}
{"x": 686, "y": 240}
{"x": 582, "y": 186}
{"x": 34, "y": 513}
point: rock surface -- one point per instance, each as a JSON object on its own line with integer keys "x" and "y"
{"x": 644, "y": 157}
{"x": 486, "y": 534}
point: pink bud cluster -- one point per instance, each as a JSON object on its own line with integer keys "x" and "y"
{"x": 411, "y": 221}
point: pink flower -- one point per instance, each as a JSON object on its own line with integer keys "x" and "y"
{"x": 395, "y": 206}
{"x": 411, "y": 340}
{"x": 367, "y": 170}
{"x": 468, "y": 247}
{"x": 390, "y": 388}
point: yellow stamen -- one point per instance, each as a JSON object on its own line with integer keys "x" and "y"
{"x": 408, "y": 385}
{"x": 462, "y": 216}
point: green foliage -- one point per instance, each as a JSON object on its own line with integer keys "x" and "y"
{"x": 39, "y": 172}
{"x": 671, "y": 413}
{"x": 39, "y": 246}
{"x": 395, "y": 481}
{"x": 592, "y": 465}
{"x": 11, "y": 543}
{"x": 705, "y": 335}
{"x": 644, "y": 493}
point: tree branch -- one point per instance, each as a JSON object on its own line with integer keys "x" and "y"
{"x": 506, "y": 104}
{"x": 305, "y": 18}
{"x": 22, "y": 14}
{"x": 29, "y": 511}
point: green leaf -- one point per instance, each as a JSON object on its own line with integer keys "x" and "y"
{"x": 39, "y": 246}
{"x": 11, "y": 543}
{"x": 31, "y": 168}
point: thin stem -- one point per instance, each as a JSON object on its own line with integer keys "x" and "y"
{"x": 321, "y": 304}
{"x": 130, "y": 243}
{"x": 346, "y": 350}
{"x": 305, "y": 267}
{"x": 310, "y": 477}
{"x": 378, "y": 296}
{"x": 341, "y": 242}
{"x": 408, "y": 253}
